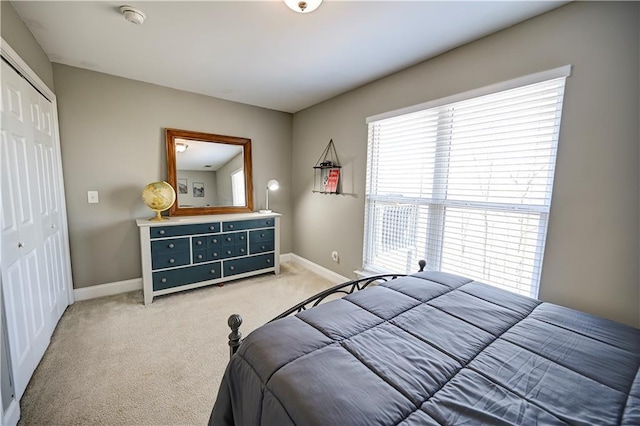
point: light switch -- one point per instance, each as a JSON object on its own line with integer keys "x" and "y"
{"x": 92, "y": 197}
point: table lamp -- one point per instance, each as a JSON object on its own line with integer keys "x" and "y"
{"x": 272, "y": 185}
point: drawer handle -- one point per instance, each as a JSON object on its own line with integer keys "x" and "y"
{"x": 213, "y": 271}
{"x": 215, "y": 240}
{"x": 199, "y": 256}
{"x": 268, "y": 260}
{"x": 199, "y": 242}
{"x": 263, "y": 247}
{"x": 228, "y": 238}
{"x": 242, "y": 237}
{"x": 161, "y": 232}
{"x": 171, "y": 245}
{"x": 262, "y": 235}
{"x": 268, "y": 222}
{"x": 241, "y": 250}
{"x": 231, "y": 268}
{"x": 228, "y": 251}
{"x": 230, "y": 226}
{"x": 214, "y": 255}
{"x": 172, "y": 260}
{"x": 211, "y": 228}
{"x": 164, "y": 280}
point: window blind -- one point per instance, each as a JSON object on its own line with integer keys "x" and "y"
{"x": 466, "y": 186}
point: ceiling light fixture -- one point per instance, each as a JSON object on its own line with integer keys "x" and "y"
{"x": 302, "y": 6}
{"x": 181, "y": 147}
{"x": 133, "y": 15}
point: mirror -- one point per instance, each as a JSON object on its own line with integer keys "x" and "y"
{"x": 211, "y": 174}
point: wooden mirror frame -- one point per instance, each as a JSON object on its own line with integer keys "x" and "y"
{"x": 172, "y": 176}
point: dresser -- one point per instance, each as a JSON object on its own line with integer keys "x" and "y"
{"x": 186, "y": 252}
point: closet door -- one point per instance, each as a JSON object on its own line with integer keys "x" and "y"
{"x": 48, "y": 205}
{"x": 25, "y": 275}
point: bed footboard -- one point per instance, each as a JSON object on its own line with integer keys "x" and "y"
{"x": 235, "y": 320}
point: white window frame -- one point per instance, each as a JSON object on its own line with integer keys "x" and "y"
{"x": 438, "y": 203}
{"x": 238, "y": 192}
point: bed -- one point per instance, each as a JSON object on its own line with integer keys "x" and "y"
{"x": 432, "y": 349}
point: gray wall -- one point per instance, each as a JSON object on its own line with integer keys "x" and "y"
{"x": 16, "y": 33}
{"x": 210, "y": 181}
{"x": 591, "y": 258}
{"x": 225, "y": 187}
{"x": 112, "y": 141}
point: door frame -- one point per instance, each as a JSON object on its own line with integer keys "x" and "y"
{"x": 25, "y": 70}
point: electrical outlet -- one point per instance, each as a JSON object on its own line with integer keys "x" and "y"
{"x": 334, "y": 256}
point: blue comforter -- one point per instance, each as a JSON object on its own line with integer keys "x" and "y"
{"x": 433, "y": 349}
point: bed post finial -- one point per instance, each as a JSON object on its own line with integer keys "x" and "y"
{"x": 235, "y": 338}
{"x": 422, "y": 264}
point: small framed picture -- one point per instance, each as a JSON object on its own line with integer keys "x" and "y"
{"x": 183, "y": 187}
{"x": 198, "y": 189}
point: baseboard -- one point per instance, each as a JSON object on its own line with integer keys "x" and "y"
{"x": 108, "y": 289}
{"x": 12, "y": 415}
{"x": 315, "y": 268}
{"x": 118, "y": 287}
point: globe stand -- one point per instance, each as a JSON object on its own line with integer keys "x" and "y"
{"x": 158, "y": 216}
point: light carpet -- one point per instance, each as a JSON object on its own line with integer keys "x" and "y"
{"x": 113, "y": 361}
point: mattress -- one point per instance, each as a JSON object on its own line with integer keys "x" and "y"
{"x": 431, "y": 349}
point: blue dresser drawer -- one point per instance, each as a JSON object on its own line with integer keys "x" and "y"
{"x": 261, "y": 247}
{"x": 247, "y": 264}
{"x": 215, "y": 253}
{"x": 227, "y": 239}
{"x": 170, "y": 260}
{"x": 182, "y": 276}
{"x": 200, "y": 256}
{"x": 261, "y": 235}
{"x": 199, "y": 243}
{"x": 214, "y": 241}
{"x": 248, "y": 224}
{"x": 170, "y": 246}
{"x": 178, "y": 230}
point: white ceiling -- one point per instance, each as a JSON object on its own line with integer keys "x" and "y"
{"x": 260, "y": 52}
{"x": 199, "y": 155}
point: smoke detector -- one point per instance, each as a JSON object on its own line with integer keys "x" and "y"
{"x": 133, "y": 15}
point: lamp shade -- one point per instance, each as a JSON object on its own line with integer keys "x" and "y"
{"x": 273, "y": 185}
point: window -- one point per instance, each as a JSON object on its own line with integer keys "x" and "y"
{"x": 237, "y": 187}
{"x": 465, "y": 183}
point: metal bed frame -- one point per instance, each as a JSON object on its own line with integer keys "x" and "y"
{"x": 235, "y": 320}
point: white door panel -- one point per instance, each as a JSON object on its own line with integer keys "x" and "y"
{"x": 41, "y": 327}
{"x": 62, "y": 285}
{"x": 10, "y": 235}
{"x": 42, "y": 190}
{"x": 53, "y": 284}
{"x": 34, "y": 274}
{"x": 16, "y": 298}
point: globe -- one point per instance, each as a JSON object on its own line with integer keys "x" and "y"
{"x": 158, "y": 196}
